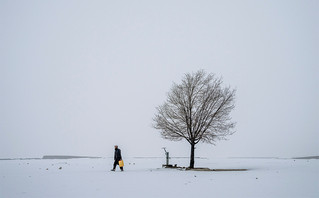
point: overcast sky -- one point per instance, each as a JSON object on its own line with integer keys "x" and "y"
{"x": 77, "y": 77}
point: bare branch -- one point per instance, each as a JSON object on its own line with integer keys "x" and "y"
{"x": 198, "y": 110}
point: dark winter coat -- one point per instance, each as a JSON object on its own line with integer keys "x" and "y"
{"x": 117, "y": 155}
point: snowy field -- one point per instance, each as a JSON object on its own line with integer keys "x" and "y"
{"x": 144, "y": 177}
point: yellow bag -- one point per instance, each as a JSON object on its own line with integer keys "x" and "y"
{"x": 121, "y": 163}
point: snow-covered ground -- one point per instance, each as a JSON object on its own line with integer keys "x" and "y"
{"x": 144, "y": 177}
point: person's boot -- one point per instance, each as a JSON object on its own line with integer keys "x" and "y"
{"x": 113, "y": 169}
{"x": 122, "y": 169}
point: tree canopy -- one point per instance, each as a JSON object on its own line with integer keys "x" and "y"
{"x": 197, "y": 110}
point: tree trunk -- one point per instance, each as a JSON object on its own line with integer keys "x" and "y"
{"x": 192, "y": 161}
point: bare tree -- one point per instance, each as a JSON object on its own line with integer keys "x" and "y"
{"x": 197, "y": 110}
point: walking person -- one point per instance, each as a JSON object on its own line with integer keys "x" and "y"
{"x": 117, "y": 158}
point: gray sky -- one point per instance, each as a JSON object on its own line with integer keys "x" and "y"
{"x": 77, "y": 77}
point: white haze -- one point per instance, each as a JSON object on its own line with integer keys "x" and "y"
{"x": 77, "y": 77}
